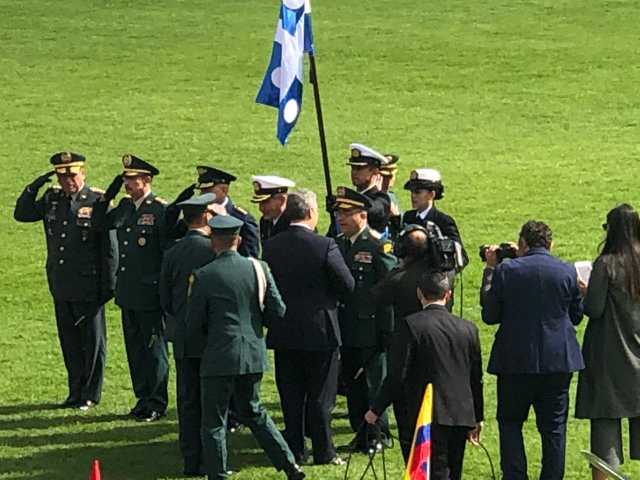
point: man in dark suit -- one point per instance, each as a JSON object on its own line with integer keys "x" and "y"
{"x": 434, "y": 347}
{"x": 536, "y": 302}
{"x": 311, "y": 274}
{"x": 80, "y": 271}
{"x": 139, "y": 221}
{"x": 270, "y": 193}
{"x": 230, "y": 301}
{"x": 425, "y": 185}
{"x": 191, "y": 252}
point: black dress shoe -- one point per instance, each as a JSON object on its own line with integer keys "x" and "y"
{"x": 137, "y": 410}
{"x": 71, "y": 402}
{"x": 87, "y": 405}
{"x": 150, "y": 416}
{"x": 294, "y": 472}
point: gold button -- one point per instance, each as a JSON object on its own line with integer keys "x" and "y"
{"x": 62, "y": 249}
{"x": 61, "y": 261}
{"x": 122, "y": 255}
{"x": 122, "y": 269}
{"x": 125, "y": 242}
{"x": 65, "y": 222}
{"x": 63, "y": 235}
{"x": 128, "y": 229}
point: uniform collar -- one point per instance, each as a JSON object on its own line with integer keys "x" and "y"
{"x": 226, "y": 202}
{"x": 371, "y": 189}
{"x": 354, "y": 238}
{"x": 538, "y": 251}
{"x": 74, "y": 196}
{"x": 141, "y": 200}
{"x": 201, "y": 232}
{"x": 423, "y": 214}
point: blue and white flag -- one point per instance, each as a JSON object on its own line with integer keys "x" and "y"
{"x": 282, "y": 84}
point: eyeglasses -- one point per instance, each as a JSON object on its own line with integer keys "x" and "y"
{"x": 605, "y": 226}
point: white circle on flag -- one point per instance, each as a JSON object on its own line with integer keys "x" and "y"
{"x": 293, "y": 4}
{"x": 291, "y": 110}
{"x": 275, "y": 77}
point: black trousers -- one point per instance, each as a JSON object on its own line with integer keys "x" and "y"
{"x": 83, "y": 338}
{"x": 189, "y": 412}
{"x": 405, "y": 429}
{"x": 364, "y": 370}
{"x": 549, "y": 396}
{"x": 307, "y": 382}
{"x": 147, "y": 357}
{"x": 447, "y": 451}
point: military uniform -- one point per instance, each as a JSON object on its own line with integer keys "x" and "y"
{"x": 224, "y": 305}
{"x": 191, "y": 252}
{"x": 389, "y": 172}
{"x": 264, "y": 187}
{"x": 141, "y": 233}
{"x": 80, "y": 272}
{"x": 365, "y": 328}
{"x": 208, "y": 178}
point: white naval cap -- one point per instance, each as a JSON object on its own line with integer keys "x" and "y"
{"x": 266, "y": 185}
{"x": 426, "y": 179}
{"x": 361, "y": 156}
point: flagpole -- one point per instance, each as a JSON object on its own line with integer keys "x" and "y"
{"x": 313, "y": 77}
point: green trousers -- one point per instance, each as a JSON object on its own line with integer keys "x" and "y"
{"x": 216, "y": 393}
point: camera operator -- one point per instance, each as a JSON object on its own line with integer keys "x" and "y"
{"x": 536, "y": 302}
{"x": 425, "y": 185}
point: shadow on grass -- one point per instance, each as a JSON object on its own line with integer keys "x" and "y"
{"x": 26, "y": 408}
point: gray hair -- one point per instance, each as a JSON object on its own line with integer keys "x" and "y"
{"x": 300, "y": 203}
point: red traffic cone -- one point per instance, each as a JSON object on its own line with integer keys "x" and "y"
{"x": 95, "y": 471}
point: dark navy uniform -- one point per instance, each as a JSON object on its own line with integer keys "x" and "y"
{"x": 266, "y": 187}
{"x": 269, "y": 229}
{"x": 142, "y": 239}
{"x": 80, "y": 272}
{"x": 188, "y": 254}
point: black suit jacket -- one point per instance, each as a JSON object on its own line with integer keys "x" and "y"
{"x": 445, "y": 222}
{"x": 311, "y": 274}
{"x": 433, "y": 346}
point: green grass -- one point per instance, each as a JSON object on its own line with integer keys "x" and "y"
{"x": 529, "y": 108}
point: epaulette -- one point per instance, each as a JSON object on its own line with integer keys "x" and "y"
{"x": 241, "y": 210}
{"x": 160, "y": 200}
{"x": 56, "y": 187}
{"x": 386, "y": 247}
{"x": 97, "y": 190}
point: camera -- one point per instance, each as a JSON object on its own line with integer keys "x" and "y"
{"x": 440, "y": 252}
{"x": 505, "y": 250}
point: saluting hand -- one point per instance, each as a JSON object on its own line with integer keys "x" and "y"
{"x": 40, "y": 181}
{"x": 114, "y": 188}
{"x": 186, "y": 194}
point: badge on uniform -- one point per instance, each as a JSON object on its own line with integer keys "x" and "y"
{"x": 142, "y": 241}
{"x": 147, "y": 219}
{"x": 363, "y": 257}
{"x": 84, "y": 212}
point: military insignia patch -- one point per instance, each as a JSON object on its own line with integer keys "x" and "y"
{"x": 191, "y": 280}
{"x": 65, "y": 157}
{"x": 147, "y": 219}
{"x": 387, "y": 247}
{"x": 340, "y": 192}
{"x": 201, "y": 171}
{"x": 355, "y": 153}
{"x": 142, "y": 241}
{"x": 414, "y": 175}
{"x": 84, "y": 212}
{"x": 363, "y": 257}
{"x": 126, "y": 160}
{"x": 256, "y": 186}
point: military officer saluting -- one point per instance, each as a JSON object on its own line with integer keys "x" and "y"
{"x": 270, "y": 193}
{"x": 191, "y": 252}
{"x": 366, "y": 177}
{"x": 212, "y": 180}
{"x": 139, "y": 220}
{"x": 389, "y": 172}
{"x": 365, "y": 328}
{"x": 80, "y": 271}
{"x": 230, "y": 301}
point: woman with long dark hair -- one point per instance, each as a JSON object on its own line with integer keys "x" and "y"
{"x": 609, "y": 386}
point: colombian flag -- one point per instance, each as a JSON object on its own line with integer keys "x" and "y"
{"x": 420, "y": 458}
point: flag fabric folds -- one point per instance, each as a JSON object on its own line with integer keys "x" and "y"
{"x": 282, "y": 84}
{"x": 419, "y": 464}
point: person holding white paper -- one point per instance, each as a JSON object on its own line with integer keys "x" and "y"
{"x": 609, "y": 386}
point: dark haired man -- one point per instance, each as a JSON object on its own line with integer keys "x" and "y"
{"x": 434, "y": 347}
{"x": 536, "y": 302}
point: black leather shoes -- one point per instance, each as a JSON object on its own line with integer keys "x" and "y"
{"x": 150, "y": 416}
{"x": 294, "y": 472}
{"x": 71, "y": 402}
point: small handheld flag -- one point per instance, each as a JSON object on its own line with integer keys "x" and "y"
{"x": 282, "y": 84}
{"x": 419, "y": 464}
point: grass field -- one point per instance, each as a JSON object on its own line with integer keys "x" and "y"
{"x": 529, "y": 108}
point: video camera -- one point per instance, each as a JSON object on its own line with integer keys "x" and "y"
{"x": 505, "y": 250}
{"x": 441, "y": 253}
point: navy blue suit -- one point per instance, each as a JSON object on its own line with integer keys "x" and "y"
{"x": 536, "y": 303}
